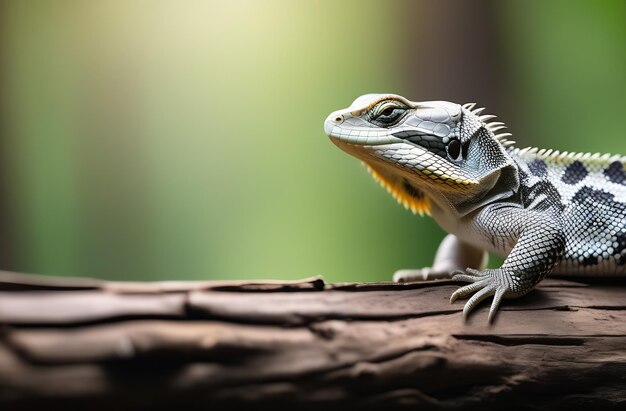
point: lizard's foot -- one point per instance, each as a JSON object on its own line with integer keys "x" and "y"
{"x": 484, "y": 284}
{"x": 420, "y": 274}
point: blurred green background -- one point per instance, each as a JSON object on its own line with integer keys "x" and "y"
{"x": 145, "y": 140}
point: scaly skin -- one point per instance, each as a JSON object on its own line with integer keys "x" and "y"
{"x": 542, "y": 210}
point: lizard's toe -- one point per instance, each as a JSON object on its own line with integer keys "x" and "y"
{"x": 484, "y": 284}
{"x": 497, "y": 298}
{"x": 465, "y": 277}
{"x": 483, "y": 293}
{"x": 466, "y": 290}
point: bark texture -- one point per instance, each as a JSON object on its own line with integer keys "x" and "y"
{"x": 190, "y": 345}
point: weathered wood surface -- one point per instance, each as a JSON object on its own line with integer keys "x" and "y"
{"x": 185, "y": 345}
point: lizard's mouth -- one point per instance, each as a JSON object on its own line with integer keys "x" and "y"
{"x": 361, "y": 138}
{"x": 355, "y": 135}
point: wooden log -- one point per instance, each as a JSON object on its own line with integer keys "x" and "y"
{"x": 306, "y": 344}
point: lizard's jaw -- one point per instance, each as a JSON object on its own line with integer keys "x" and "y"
{"x": 412, "y": 162}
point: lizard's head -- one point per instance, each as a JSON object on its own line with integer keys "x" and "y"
{"x": 422, "y": 151}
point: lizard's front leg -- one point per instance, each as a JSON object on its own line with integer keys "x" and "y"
{"x": 539, "y": 248}
{"x": 452, "y": 255}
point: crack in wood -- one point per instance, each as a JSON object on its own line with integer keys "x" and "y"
{"x": 513, "y": 340}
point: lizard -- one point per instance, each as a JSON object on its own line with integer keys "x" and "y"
{"x": 543, "y": 211}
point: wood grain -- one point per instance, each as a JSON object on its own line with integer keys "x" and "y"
{"x": 237, "y": 344}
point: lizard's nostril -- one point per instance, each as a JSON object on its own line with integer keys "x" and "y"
{"x": 338, "y": 119}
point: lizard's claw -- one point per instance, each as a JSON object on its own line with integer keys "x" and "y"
{"x": 486, "y": 283}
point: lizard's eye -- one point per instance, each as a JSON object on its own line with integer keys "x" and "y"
{"x": 454, "y": 149}
{"x": 388, "y": 112}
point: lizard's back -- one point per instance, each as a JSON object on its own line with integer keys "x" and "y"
{"x": 591, "y": 192}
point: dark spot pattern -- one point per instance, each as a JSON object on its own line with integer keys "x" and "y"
{"x": 594, "y": 224}
{"x": 538, "y": 167}
{"x": 586, "y": 193}
{"x": 620, "y": 240}
{"x": 590, "y": 260}
{"x": 575, "y": 173}
{"x": 615, "y": 173}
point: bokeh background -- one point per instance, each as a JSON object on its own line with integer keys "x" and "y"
{"x": 145, "y": 140}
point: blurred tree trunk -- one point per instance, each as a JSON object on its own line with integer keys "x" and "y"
{"x": 7, "y": 234}
{"x": 455, "y": 54}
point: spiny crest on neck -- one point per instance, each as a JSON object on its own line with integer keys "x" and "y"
{"x": 556, "y": 156}
{"x": 493, "y": 126}
{"x": 549, "y": 155}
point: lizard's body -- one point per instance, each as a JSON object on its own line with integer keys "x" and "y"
{"x": 544, "y": 211}
{"x": 592, "y": 197}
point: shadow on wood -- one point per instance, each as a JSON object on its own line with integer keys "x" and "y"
{"x": 82, "y": 342}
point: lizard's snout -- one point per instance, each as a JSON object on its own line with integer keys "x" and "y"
{"x": 334, "y": 119}
{"x": 337, "y": 119}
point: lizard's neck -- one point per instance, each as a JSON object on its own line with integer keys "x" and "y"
{"x": 449, "y": 209}
{"x": 443, "y": 211}
{"x": 447, "y": 205}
